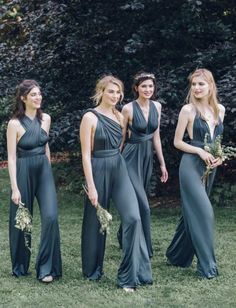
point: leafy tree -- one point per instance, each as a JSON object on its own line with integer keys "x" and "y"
{"x": 67, "y": 45}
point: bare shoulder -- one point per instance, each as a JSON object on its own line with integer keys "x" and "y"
{"x": 187, "y": 113}
{"x": 127, "y": 108}
{"x": 89, "y": 118}
{"x": 127, "y": 111}
{"x": 46, "y": 117}
{"x": 222, "y": 112}
{"x": 158, "y": 105}
{"x": 221, "y": 108}
{"x": 188, "y": 110}
{"x": 14, "y": 124}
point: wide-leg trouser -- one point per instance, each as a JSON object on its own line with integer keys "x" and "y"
{"x": 112, "y": 182}
{"x": 194, "y": 233}
{"x": 35, "y": 179}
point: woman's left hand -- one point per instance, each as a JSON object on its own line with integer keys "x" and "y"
{"x": 164, "y": 174}
{"x": 216, "y": 162}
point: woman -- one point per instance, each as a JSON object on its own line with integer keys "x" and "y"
{"x": 31, "y": 176}
{"x": 107, "y": 178}
{"x": 142, "y": 121}
{"x": 194, "y": 234}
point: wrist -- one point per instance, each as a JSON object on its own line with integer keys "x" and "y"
{"x": 91, "y": 186}
{"x": 14, "y": 189}
{"x": 198, "y": 151}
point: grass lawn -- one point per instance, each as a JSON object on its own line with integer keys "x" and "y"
{"x": 172, "y": 287}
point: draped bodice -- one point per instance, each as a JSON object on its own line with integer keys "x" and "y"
{"x": 201, "y": 128}
{"x": 33, "y": 140}
{"x": 141, "y": 129}
{"x": 108, "y": 134}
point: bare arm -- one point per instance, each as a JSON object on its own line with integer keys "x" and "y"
{"x": 158, "y": 147}
{"x": 126, "y": 116}
{"x": 46, "y": 124}
{"x": 48, "y": 153}
{"x": 11, "y": 151}
{"x": 222, "y": 112}
{"x": 219, "y": 161}
{"x": 86, "y": 134}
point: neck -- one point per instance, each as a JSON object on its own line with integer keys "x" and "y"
{"x": 142, "y": 101}
{"x": 105, "y": 107}
{"x": 204, "y": 102}
{"x": 31, "y": 113}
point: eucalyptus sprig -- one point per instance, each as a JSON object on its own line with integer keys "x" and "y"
{"x": 104, "y": 217}
{"x": 24, "y": 222}
{"x": 218, "y": 151}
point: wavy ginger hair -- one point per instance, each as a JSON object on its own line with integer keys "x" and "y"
{"x": 212, "y": 97}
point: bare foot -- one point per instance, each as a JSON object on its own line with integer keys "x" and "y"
{"x": 47, "y": 279}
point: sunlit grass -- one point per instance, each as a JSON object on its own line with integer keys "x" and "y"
{"x": 172, "y": 287}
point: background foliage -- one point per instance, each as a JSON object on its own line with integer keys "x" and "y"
{"x": 67, "y": 45}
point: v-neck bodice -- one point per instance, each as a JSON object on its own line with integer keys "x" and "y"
{"x": 201, "y": 128}
{"x": 139, "y": 123}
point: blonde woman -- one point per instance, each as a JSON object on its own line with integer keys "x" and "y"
{"x": 107, "y": 178}
{"x": 194, "y": 234}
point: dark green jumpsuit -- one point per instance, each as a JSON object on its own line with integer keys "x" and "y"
{"x": 138, "y": 155}
{"x": 35, "y": 179}
{"x": 112, "y": 182}
{"x": 194, "y": 233}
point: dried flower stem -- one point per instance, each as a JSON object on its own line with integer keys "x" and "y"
{"x": 24, "y": 223}
{"x": 104, "y": 217}
{"x": 218, "y": 151}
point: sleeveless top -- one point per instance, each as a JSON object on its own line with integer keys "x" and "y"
{"x": 142, "y": 130}
{"x": 107, "y": 137}
{"x": 33, "y": 140}
{"x": 201, "y": 128}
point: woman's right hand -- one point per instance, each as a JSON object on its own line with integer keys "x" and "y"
{"x": 206, "y": 156}
{"x": 93, "y": 196}
{"x": 16, "y": 196}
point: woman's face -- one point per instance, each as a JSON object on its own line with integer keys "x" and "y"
{"x": 146, "y": 89}
{"x": 33, "y": 99}
{"x": 200, "y": 87}
{"x": 111, "y": 94}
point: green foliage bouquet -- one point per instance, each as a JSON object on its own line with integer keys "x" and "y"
{"x": 104, "y": 217}
{"x": 218, "y": 151}
{"x": 24, "y": 222}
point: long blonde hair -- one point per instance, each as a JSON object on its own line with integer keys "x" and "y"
{"x": 102, "y": 84}
{"x": 212, "y": 97}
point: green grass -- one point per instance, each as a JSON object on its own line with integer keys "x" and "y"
{"x": 172, "y": 287}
